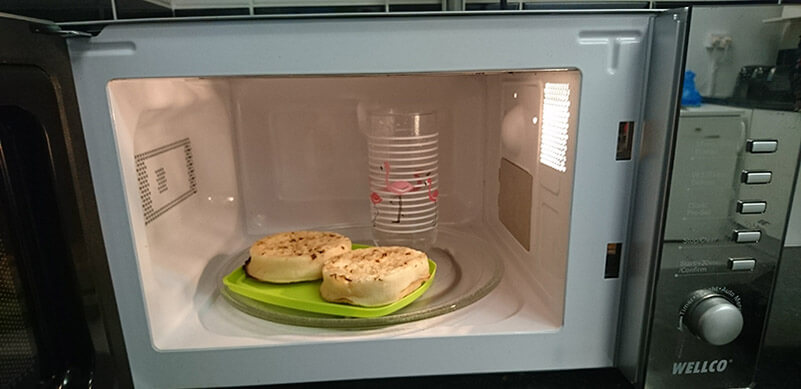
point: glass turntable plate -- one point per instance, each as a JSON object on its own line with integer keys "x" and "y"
{"x": 465, "y": 272}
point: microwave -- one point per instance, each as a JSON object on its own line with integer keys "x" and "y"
{"x": 578, "y": 224}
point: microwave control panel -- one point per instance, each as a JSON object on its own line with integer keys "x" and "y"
{"x": 730, "y": 190}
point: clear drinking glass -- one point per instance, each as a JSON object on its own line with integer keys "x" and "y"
{"x": 404, "y": 179}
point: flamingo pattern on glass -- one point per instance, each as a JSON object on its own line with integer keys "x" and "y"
{"x": 433, "y": 196}
{"x": 397, "y": 187}
{"x": 403, "y": 177}
{"x": 375, "y": 198}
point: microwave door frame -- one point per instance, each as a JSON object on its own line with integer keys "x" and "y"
{"x": 121, "y": 50}
{"x": 35, "y": 46}
{"x": 669, "y": 34}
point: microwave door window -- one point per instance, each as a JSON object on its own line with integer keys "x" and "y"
{"x": 19, "y": 356}
{"x": 44, "y": 339}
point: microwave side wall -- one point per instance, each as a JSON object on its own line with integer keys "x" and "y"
{"x": 609, "y": 50}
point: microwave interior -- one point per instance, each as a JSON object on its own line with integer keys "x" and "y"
{"x": 212, "y": 164}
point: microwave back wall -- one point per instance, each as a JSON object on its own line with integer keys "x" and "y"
{"x": 555, "y": 138}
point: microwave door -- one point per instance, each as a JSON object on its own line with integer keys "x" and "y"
{"x": 53, "y": 286}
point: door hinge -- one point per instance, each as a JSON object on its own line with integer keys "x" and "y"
{"x": 52, "y": 29}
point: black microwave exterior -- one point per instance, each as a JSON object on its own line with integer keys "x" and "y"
{"x": 53, "y": 256}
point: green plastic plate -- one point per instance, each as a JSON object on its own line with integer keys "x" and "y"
{"x": 305, "y": 296}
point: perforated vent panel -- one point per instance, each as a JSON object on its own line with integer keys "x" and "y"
{"x": 166, "y": 177}
{"x": 18, "y": 356}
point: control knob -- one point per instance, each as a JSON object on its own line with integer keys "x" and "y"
{"x": 713, "y": 318}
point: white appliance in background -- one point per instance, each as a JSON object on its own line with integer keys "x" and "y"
{"x": 714, "y": 143}
{"x": 709, "y": 140}
{"x": 783, "y": 128}
{"x": 555, "y": 139}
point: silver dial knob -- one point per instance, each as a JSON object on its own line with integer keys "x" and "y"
{"x": 715, "y": 320}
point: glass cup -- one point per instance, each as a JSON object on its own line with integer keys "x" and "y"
{"x": 404, "y": 180}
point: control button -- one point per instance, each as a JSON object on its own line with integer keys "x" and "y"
{"x": 748, "y": 207}
{"x": 715, "y": 320}
{"x": 761, "y": 177}
{"x": 747, "y": 236}
{"x": 744, "y": 264}
{"x": 760, "y": 146}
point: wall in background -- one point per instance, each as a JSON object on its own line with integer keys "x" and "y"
{"x": 791, "y": 33}
{"x": 59, "y": 10}
{"x": 103, "y": 10}
{"x": 753, "y": 43}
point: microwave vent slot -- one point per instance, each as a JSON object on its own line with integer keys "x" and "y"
{"x": 166, "y": 177}
{"x": 612, "y": 268}
{"x": 514, "y": 201}
{"x": 625, "y": 135}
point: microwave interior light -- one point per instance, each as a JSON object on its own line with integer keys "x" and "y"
{"x": 555, "y": 123}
